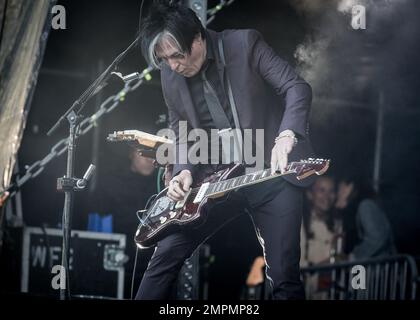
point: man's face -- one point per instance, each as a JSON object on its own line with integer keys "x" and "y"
{"x": 141, "y": 165}
{"x": 322, "y": 195}
{"x": 185, "y": 64}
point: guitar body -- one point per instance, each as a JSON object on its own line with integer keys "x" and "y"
{"x": 166, "y": 216}
{"x": 163, "y": 217}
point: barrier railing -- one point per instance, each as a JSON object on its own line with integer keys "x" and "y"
{"x": 390, "y": 278}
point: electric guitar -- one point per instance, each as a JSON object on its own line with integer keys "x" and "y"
{"x": 165, "y": 216}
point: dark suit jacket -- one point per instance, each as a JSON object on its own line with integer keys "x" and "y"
{"x": 267, "y": 91}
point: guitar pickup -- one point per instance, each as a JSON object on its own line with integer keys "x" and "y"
{"x": 201, "y": 193}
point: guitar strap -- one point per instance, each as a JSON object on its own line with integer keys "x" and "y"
{"x": 238, "y": 136}
{"x": 237, "y": 133}
{"x": 229, "y": 86}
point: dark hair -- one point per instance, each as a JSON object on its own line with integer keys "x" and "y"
{"x": 362, "y": 188}
{"x": 167, "y": 16}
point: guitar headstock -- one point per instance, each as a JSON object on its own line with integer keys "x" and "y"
{"x": 308, "y": 167}
{"x": 139, "y": 138}
{"x": 120, "y": 136}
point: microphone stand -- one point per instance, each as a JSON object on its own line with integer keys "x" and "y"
{"x": 68, "y": 183}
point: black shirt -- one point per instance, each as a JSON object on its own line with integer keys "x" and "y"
{"x": 195, "y": 85}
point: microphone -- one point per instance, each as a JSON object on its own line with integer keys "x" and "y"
{"x": 135, "y": 76}
{"x": 82, "y": 183}
{"x": 131, "y": 77}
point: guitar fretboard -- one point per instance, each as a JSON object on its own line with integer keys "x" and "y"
{"x": 245, "y": 180}
{"x": 302, "y": 169}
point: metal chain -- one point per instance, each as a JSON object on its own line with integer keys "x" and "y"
{"x": 84, "y": 127}
{"x": 87, "y": 124}
{"x": 211, "y": 13}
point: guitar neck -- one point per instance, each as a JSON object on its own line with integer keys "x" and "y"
{"x": 217, "y": 188}
{"x": 302, "y": 169}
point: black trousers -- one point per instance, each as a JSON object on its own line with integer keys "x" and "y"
{"x": 276, "y": 211}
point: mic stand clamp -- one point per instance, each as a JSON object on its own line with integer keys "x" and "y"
{"x": 74, "y": 184}
{"x": 65, "y": 184}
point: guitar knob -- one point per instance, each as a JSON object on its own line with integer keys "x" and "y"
{"x": 172, "y": 214}
{"x": 163, "y": 220}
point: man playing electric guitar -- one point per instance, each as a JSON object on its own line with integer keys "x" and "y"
{"x": 225, "y": 80}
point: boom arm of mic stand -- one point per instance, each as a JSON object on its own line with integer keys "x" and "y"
{"x": 93, "y": 88}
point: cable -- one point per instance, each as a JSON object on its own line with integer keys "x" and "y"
{"x": 137, "y": 249}
{"x": 140, "y": 15}
{"x": 134, "y": 273}
{"x": 159, "y": 179}
{"x": 66, "y": 250}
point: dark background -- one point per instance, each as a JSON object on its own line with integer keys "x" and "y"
{"x": 356, "y": 73}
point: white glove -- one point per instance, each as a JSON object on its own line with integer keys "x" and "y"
{"x": 284, "y": 143}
